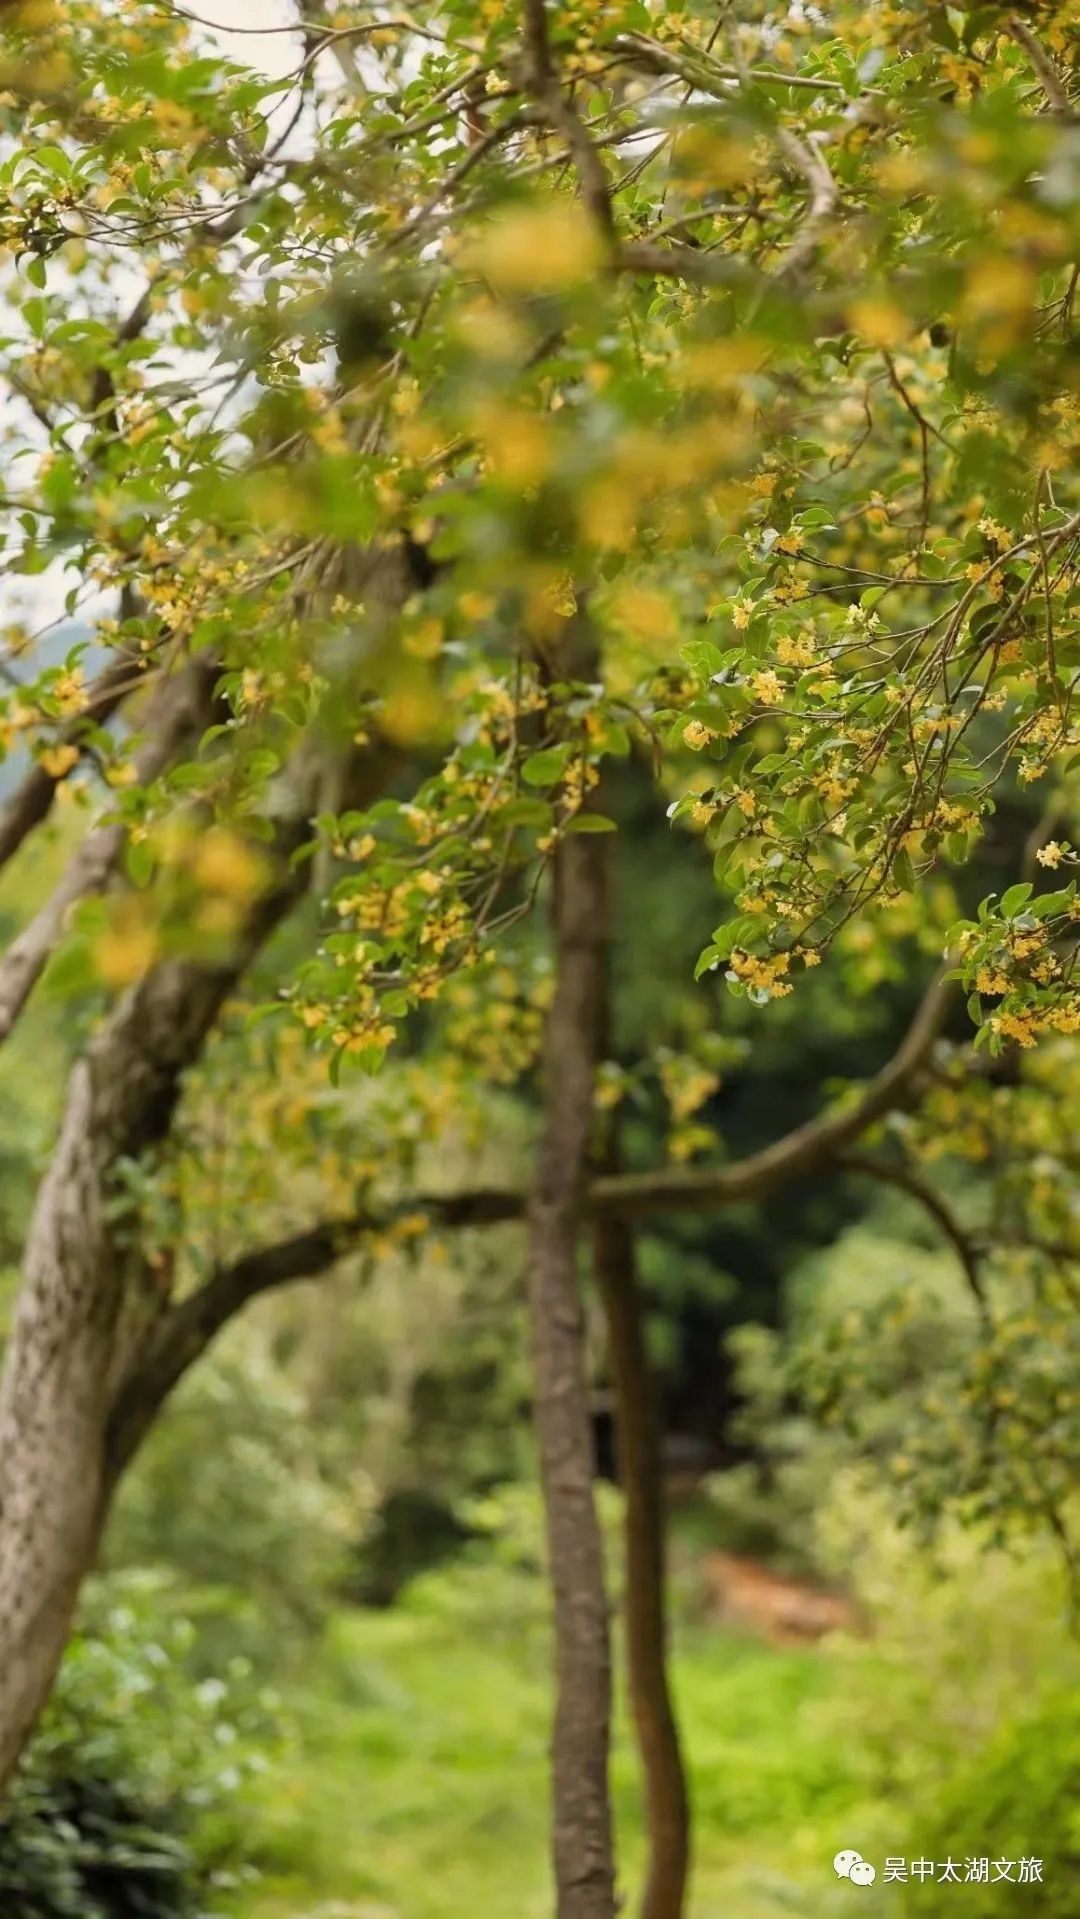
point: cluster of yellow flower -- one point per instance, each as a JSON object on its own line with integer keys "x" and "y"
{"x": 763, "y": 975}
{"x": 796, "y": 649}
{"x": 767, "y": 687}
{"x": 1028, "y": 1024}
{"x": 442, "y": 930}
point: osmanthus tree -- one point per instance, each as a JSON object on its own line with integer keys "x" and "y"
{"x": 502, "y": 393}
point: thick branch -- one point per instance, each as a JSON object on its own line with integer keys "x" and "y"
{"x": 534, "y": 33}
{"x": 184, "y": 1334}
{"x": 188, "y": 1329}
{"x": 823, "y": 199}
{"x": 691, "y": 264}
{"x": 1048, "y": 76}
{"x": 543, "y": 84}
{"x": 84, "y": 1302}
{"x": 637, "y": 1446}
{"x": 582, "y": 1826}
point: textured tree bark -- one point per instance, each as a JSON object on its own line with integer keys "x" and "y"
{"x": 51, "y": 1483}
{"x": 637, "y": 1445}
{"x": 62, "y": 1359}
{"x": 87, "y": 1304}
{"x": 582, "y": 1837}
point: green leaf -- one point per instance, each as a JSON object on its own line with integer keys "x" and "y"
{"x": 53, "y": 160}
{"x": 702, "y": 657}
{"x": 1016, "y": 897}
{"x": 71, "y": 972}
{"x": 591, "y": 823}
{"x": 139, "y": 860}
{"x": 903, "y": 871}
{"x": 547, "y": 766}
{"x": 616, "y": 739}
{"x": 524, "y": 811}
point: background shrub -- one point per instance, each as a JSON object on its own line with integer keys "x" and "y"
{"x": 130, "y": 1802}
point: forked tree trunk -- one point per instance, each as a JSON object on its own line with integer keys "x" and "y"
{"x": 637, "y": 1446}
{"x": 582, "y": 1837}
{"x": 87, "y": 1302}
{"x": 77, "y": 1295}
{"x": 84, "y": 1300}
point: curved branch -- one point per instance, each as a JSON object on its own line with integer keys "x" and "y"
{"x": 796, "y": 1153}
{"x": 190, "y": 1326}
{"x": 908, "y": 1182}
{"x": 705, "y": 74}
{"x": 823, "y": 200}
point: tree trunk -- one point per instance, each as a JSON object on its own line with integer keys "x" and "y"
{"x": 87, "y": 1302}
{"x": 83, "y": 1291}
{"x": 582, "y": 1838}
{"x": 637, "y": 1451}
{"x": 51, "y": 1464}
{"x": 637, "y": 1445}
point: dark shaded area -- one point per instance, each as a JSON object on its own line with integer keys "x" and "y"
{"x": 414, "y": 1532}
{"x": 85, "y": 1847}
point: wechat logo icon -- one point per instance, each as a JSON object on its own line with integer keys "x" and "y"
{"x": 851, "y": 1865}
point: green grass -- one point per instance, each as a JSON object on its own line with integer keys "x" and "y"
{"x": 414, "y": 1786}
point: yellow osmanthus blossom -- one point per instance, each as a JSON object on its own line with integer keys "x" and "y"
{"x": 767, "y": 687}
{"x": 762, "y": 975}
{"x": 222, "y": 862}
{"x": 126, "y": 947}
{"x": 548, "y": 245}
{"x": 796, "y": 649}
{"x": 518, "y": 445}
{"x": 59, "y": 760}
{"x": 880, "y": 320}
{"x": 991, "y": 982}
{"x": 643, "y": 613}
{"x": 1024, "y": 1028}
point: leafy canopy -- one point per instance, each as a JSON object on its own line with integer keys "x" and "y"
{"x": 749, "y": 346}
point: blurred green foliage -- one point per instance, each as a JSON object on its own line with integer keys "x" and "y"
{"x": 411, "y": 1784}
{"x": 1019, "y": 1797}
